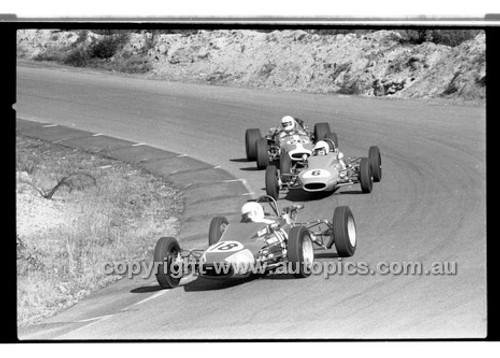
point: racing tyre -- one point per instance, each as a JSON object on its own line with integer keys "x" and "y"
{"x": 217, "y": 227}
{"x": 262, "y": 153}
{"x": 285, "y": 165}
{"x": 320, "y": 130}
{"x": 365, "y": 175}
{"x": 344, "y": 232}
{"x": 272, "y": 182}
{"x": 251, "y": 138}
{"x": 375, "y": 162}
{"x": 166, "y": 252}
{"x": 333, "y": 136}
{"x": 300, "y": 252}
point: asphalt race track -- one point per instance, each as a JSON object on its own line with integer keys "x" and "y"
{"x": 429, "y": 207}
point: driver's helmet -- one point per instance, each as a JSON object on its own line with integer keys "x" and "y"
{"x": 252, "y": 211}
{"x": 321, "y": 148}
{"x": 287, "y": 123}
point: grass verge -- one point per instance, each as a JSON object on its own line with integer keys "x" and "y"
{"x": 75, "y": 212}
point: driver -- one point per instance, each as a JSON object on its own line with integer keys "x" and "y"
{"x": 289, "y": 126}
{"x": 254, "y": 212}
{"x": 322, "y": 148}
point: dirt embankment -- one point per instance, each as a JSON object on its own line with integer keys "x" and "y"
{"x": 380, "y": 63}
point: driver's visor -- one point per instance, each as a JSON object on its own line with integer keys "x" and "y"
{"x": 245, "y": 218}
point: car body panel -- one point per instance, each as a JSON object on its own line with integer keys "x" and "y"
{"x": 322, "y": 173}
{"x": 296, "y": 145}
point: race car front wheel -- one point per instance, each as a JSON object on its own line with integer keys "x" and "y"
{"x": 300, "y": 252}
{"x": 167, "y": 262}
{"x": 262, "y": 153}
{"x": 251, "y": 137}
{"x": 217, "y": 227}
{"x": 365, "y": 175}
{"x": 344, "y": 232}
{"x": 375, "y": 162}
{"x": 272, "y": 182}
{"x": 321, "y": 129}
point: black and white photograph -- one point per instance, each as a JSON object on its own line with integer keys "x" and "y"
{"x": 269, "y": 180}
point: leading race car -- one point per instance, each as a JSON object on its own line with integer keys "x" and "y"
{"x": 325, "y": 171}
{"x": 298, "y": 144}
{"x": 262, "y": 245}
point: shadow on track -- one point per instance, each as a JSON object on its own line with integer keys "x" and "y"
{"x": 240, "y": 160}
{"x": 146, "y": 289}
{"x": 301, "y": 195}
{"x": 251, "y": 169}
{"x": 203, "y": 284}
{"x": 350, "y": 192}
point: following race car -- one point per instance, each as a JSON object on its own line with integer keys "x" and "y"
{"x": 325, "y": 170}
{"x": 261, "y": 243}
{"x": 297, "y": 142}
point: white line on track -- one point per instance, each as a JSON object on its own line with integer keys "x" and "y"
{"x": 182, "y": 155}
{"x": 49, "y": 125}
{"x": 97, "y": 134}
{"x": 233, "y": 180}
{"x": 248, "y": 194}
{"x": 138, "y": 144}
{"x": 217, "y": 167}
{"x": 152, "y": 297}
{"x": 95, "y": 321}
{"x": 95, "y": 318}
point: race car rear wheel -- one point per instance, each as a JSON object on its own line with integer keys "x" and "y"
{"x": 332, "y": 136}
{"x": 251, "y": 137}
{"x": 344, "y": 232}
{"x": 375, "y": 162}
{"x": 300, "y": 252}
{"x": 166, "y": 254}
{"x": 272, "y": 182}
{"x": 285, "y": 165}
{"x": 262, "y": 153}
{"x": 320, "y": 130}
{"x": 217, "y": 227}
{"x": 365, "y": 175}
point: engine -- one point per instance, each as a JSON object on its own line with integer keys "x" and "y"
{"x": 275, "y": 248}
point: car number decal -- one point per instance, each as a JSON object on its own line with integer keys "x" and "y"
{"x": 227, "y": 246}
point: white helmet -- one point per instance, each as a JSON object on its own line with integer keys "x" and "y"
{"x": 287, "y": 123}
{"x": 321, "y": 146}
{"x": 252, "y": 211}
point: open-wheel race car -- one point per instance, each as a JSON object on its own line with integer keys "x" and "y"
{"x": 326, "y": 172}
{"x": 297, "y": 144}
{"x": 258, "y": 245}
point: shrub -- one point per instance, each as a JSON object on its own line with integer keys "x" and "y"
{"x": 77, "y": 57}
{"x": 107, "y": 46}
{"x": 350, "y": 86}
{"x": 133, "y": 64}
{"x": 450, "y": 38}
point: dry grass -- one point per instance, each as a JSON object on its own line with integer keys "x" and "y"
{"x": 106, "y": 212}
